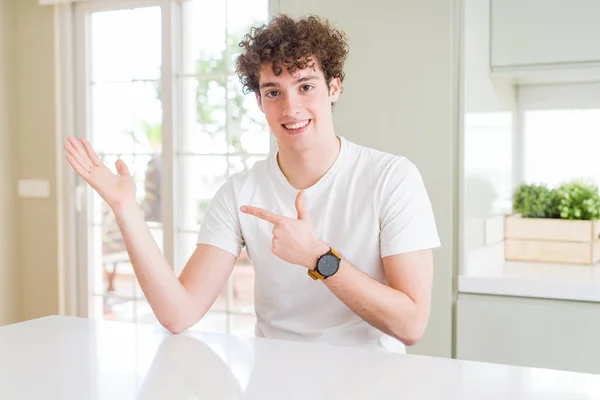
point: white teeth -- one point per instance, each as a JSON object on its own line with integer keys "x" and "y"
{"x": 297, "y": 125}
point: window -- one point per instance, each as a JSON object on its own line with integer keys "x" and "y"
{"x": 560, "y": 132}
{"x": 560, "y": 145}
{"x": 156, "y": 87}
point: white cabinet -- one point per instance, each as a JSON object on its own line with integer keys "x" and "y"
{"x": 529, "y": 332}
{"x": 544, "y": 32}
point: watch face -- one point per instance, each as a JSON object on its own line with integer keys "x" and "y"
{"x": 328, "y": 264}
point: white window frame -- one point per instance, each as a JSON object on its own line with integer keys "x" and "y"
{"x": 71, "y": 105}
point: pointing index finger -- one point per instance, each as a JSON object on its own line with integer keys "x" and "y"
{"x": 261, "y": 213}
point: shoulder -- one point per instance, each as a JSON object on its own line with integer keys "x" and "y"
{"x": 381, "y": 165}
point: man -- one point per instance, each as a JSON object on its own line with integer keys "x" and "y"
{"x": 340, "y": 235}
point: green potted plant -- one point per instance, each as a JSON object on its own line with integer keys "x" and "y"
{"x": 577, "y": 200}
{"x": 534, "y": 201}
{"x": 559, "y": 224}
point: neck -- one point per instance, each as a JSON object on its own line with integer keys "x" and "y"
{"x": 304, "y": 169}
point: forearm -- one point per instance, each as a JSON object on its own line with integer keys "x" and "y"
{"x": 385, "y": 308}
{"x": 166, "y": 295}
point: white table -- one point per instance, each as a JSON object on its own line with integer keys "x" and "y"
{"x": 70, "y": 358}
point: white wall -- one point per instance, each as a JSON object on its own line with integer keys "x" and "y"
{"x": 488, "y": 126}
{"x": 9, "y": 273}
{"x": 400, "y": 95}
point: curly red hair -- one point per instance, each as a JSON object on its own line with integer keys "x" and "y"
{"x": 289, "y": 44}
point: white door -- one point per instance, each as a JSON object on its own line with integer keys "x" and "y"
{"x": 156, "y": 88}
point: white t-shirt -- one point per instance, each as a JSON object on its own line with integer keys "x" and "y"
{"x": 368, "y": 205}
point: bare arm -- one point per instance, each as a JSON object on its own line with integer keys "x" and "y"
{"x": 401, "y": 309}
{"x": 177, "y": 303}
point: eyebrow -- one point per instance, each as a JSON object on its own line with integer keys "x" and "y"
{"x": 299, "y": 80}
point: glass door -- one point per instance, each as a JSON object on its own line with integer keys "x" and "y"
{"x": 120, "y": 111}
{"x": 156, "y": 87}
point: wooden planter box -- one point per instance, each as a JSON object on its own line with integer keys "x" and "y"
{"x": 551, "y": 240}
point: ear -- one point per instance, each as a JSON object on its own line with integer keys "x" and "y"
{"x": 259, "y": 101}
{"x": 335, "y": 88}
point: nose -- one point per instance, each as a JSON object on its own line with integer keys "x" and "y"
{"x": 291, "y": 106}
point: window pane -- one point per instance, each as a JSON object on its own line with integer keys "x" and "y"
{"x": 248, "y": 130}
{"x": 126, "y": 117}
{"x": 147, "y": 116}
{"x": 561, "y": 145}
{"x": 146, "y": 42}
{"x": 112, "y": 116}
{"x": 241, "y": 16}
{"x": 110, "y": 51}
{"x": 204, "y": 30}
{"x": 204, "y": 116}
{"x": 200, "y": 178}
{"x": 121, "y": 53}
{"x": 126, "y": 123}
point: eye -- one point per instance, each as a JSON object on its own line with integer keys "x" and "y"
{"x": 306, "y": 88}
{"x": 271, "y": 93}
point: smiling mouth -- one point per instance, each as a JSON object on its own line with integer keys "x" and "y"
{"x": 297, "y": 126}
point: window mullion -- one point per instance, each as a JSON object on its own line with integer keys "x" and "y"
{"x": 230, "y": 300}
{"x": 168, "y": 96}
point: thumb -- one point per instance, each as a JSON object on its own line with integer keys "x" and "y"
{"x": 301, "y": 206}
{"x": 122, "y": 168}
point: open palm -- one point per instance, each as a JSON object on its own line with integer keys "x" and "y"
{"x": 116, "y": 190}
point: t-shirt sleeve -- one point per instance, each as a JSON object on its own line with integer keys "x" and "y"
{"x": 221, "y": 224}
{"x": 407, "y": 219}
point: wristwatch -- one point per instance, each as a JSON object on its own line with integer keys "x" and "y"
{"x": 327, "y": 265}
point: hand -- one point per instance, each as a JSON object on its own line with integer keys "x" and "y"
{"x": 294, "y": 240}
{"x": 116, "y": 190}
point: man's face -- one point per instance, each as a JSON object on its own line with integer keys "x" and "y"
{"x": 298, "y": 106}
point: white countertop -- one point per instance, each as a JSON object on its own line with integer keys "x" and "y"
{"x": 70, "y": 358}
{"x": 486, "y": 272}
